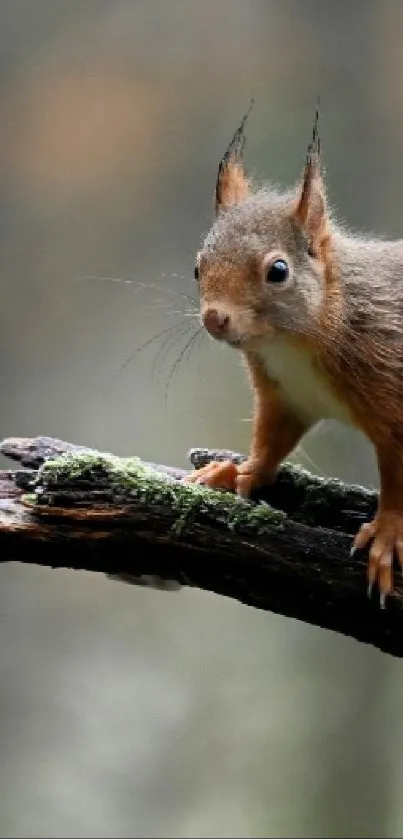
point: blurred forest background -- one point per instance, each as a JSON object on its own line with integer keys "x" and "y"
{"x": 126, "y": 711}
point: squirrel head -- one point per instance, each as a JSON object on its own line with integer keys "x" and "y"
{"x": 262, "y": 269}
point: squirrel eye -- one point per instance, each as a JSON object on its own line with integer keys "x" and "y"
{"x": 196, "y": 273}
{"x": 277, "y": 272}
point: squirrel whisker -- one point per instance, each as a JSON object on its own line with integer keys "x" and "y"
{"x": 168, "y": 344}
{"x": 186, "y": 352}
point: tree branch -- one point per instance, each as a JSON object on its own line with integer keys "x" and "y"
{"x": 76, "y": 508}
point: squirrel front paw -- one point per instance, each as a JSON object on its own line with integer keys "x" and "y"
{"x": 386, "y": 533}
{"x": 241, "y": 478}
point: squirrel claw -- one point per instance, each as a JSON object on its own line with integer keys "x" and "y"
{"x": 386, "y": 534}
{"x": 240, "y": 478}
{"x": 215, "y": 475}
{"x": 382, "y": 596}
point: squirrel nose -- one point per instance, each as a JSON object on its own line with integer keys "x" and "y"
{"x": 215, "y": 322}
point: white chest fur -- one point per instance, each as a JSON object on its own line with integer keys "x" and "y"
{"x": 303, "y": 385}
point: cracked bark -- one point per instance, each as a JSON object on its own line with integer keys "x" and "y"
{"x": 299, "y": 567}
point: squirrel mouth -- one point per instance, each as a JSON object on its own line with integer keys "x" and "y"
{"x": 251, "y": 342}
{"x": 237, "y": 343}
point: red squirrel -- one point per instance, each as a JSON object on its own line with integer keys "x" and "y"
{"x": 317, "y": 314}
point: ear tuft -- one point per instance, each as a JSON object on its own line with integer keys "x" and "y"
{"x": 310, "y": 212}
{"x": 232, "y": 185}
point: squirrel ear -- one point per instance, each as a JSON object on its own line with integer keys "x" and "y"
{"x": 310, "y": 212}
{"x": 232, "y": 185}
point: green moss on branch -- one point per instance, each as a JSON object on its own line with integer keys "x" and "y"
{"x": 130, "y": 480}
{"x": 121, "y": 517}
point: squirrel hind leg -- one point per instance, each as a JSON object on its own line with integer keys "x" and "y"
{"x": 385, "y": 532}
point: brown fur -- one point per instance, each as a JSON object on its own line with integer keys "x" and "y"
{"x": 234, "y": 187}
{"x": 276, "y": 430}
{"x": 340, "y": 314}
